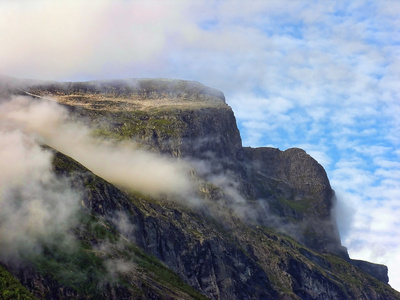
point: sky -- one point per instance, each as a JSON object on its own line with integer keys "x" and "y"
{"x": 319, "y": 75}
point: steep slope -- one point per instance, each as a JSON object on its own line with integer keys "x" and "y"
{"x": 238, "y": 261}
{"x": 265, "y": 232}
{"x": 301, "y": 192}
{"x": 101, "y": 261}
{"x": 11, "y": 288}
{"x": 185, "y": 119}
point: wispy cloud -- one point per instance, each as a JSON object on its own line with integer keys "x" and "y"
{"x": 312, "y": 73}
{"x": 122, "y": 164}
{"x": 36, "y": 206}
{"x": 370, "y": 231}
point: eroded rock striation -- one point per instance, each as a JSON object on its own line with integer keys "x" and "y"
{"x": 266, "y": 231}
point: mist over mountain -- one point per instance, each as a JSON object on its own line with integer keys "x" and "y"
{"x": 141, "y": 189}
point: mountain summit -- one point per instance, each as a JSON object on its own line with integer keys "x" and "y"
{"x": 170, "y": 205}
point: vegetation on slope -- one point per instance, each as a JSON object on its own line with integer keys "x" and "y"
{"x": 174, "y": 249}
{"x": 102, "y": 261}
{"x": 11, "y": 288}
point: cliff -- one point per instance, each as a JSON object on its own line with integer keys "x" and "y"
{"x": 265, "y": 231}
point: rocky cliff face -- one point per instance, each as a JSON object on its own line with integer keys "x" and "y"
{"x": 265, "y": 232}
{"x": 297, "y": 188}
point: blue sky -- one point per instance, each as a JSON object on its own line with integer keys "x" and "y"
{"x": 320, "y": 75}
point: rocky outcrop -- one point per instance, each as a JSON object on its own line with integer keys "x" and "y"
{"x": 187, "y": 242}
{"x": 380, "y": 272}
{"x": 237, "y": 261}
{"x": 126, "y": 88}
{"x": 281, "y": 242}
{"x": 296, "y": 187}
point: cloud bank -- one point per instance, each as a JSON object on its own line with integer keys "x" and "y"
{"x": 121, "y": 164}
{"x": 36, "y": 206}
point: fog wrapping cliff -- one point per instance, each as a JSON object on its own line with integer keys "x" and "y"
{"x": 244, "y": 223}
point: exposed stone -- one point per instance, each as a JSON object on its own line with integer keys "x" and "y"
{"x": 380, "y": 272}
{"x": 289, "y": 249}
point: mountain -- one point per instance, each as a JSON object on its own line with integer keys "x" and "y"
{"x": 249, "y": 223}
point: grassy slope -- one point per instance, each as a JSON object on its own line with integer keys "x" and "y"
{"x": 85, "y": 267}
{"x": 11, "y": 288}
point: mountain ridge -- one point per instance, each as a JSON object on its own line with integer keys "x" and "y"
{"x": 286, "y": 193}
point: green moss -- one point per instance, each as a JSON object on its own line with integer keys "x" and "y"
{"x": 78, "y": 266}
{"x": 301, "y": 205}
{"x": 150, "y": 264}
{"x": 140, "y": 199}
{"x": 147, "y": 263}
{"x": 96, "y": 229}
{"x": 11, "y": 288}
{"x": 79, "y": 269}
{"x": 345, "y": 271}
{"x": 128, "y": 125}
{"x": 334, "y": 268}
{"x": 107, "y": 134}
{"x": 83, "y": 268}
{"x": 63, "y": 164}
{"x": 285, "y": 289}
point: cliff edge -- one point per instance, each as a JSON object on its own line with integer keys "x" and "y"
{"x": 264, "y": 230}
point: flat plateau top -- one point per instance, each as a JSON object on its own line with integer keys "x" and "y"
{"x": 129, "y": 94}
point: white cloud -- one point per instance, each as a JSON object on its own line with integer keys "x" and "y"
{"x": 57, "y": 39}
{"x": 373, "y": 236}
{"x": 295, "y": 72}
{"x": 122, "y": 164}
{"x": 36, "y": 206}
{"x": 371, "y": 231}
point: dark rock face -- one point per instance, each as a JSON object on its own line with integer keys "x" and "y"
{"x": 380, "y": 272}
{"x": 297, "y": 186}
{"x": 244, "y": 262}
{"x": 309, "y": 284}
{"x": 290, "y": 249}
{"x": 211, "y": 264}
